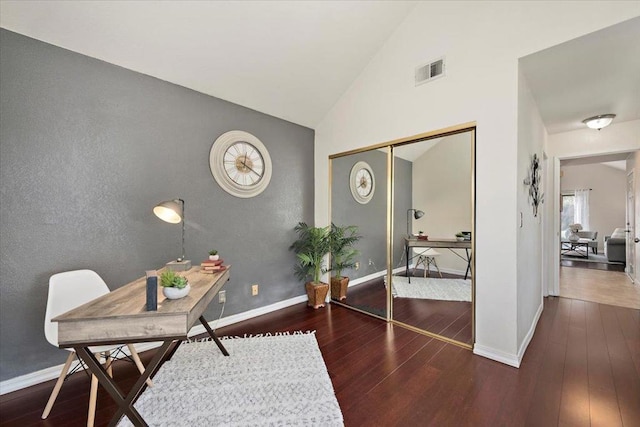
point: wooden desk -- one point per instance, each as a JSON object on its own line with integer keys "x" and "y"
{"x": 450, "y": 244}
{"x": 120, "y": 317}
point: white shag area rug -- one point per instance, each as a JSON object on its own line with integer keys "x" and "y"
{"x": 278, "y": 380}
{"x": 432, "y": 288}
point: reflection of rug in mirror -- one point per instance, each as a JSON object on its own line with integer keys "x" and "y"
{"x": 267, "y": 380}
{"x": 432, "y": 288}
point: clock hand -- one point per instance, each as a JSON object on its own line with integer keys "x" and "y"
{"x": 250, "y": 168}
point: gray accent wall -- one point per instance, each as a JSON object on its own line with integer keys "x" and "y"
{"x": 88, "y": 148}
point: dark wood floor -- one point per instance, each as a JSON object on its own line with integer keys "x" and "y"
{"x": 582, "y": 368}
{"x": 451, "y": 319}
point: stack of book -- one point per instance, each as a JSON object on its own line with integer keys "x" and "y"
{"x": 211, "y": 267}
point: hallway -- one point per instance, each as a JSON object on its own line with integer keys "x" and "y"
{"x": 604, "y": 287}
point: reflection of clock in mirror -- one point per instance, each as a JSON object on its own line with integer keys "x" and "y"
{"x": 240, "y": 163}
{"x": 362, "y": 182}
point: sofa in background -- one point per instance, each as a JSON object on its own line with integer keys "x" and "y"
{"x": 615, "y": 246}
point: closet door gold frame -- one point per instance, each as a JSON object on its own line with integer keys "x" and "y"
{"x": 453, "y": 130}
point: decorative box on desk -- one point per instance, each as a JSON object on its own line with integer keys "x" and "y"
{"x": 183, "y": 265}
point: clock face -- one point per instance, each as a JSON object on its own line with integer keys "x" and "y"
{"x": 240, "y": 164}
{"x": 244, "y": 164}
{"x": 362, "y": 182}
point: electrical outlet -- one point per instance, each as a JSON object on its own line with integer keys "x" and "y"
{"x": 357, "y": 266}
{"x": 222, "y": 297}
{"x": 254, "y": 290}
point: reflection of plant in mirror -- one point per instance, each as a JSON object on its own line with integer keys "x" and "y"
{"x": 342, "y": 240}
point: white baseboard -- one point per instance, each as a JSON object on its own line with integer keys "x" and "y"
{"x": 497, "y": 355}
{"x": 508, "y": 358}
{"x": 53, "y": 372}
{"x": 527, "y": 339}
{"x": 364, "y": 279}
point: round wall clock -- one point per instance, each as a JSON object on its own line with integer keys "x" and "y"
{"x": 362, "y": 182}
{"x": 240, "y": 163}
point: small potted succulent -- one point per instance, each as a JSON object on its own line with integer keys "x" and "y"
{"x": 173, "y": 285}
{"x": 213, "y": 255}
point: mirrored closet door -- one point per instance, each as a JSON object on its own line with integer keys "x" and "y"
{"x": 359, "y": 199}
{"x": 432, "y": 287}
{"x": 412, "y": 203}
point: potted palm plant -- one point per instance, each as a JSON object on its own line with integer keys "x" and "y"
{"x": 311, "y": 247}
{"x": 343, "y": 255}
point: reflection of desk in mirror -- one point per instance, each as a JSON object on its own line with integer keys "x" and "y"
{"x": 451, "y": 244}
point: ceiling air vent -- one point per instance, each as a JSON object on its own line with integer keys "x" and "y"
{"x": 430, "y": 71}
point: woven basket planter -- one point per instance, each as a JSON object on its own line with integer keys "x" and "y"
{"x": 339, "y": 288}
{"x": 317, "y": 294}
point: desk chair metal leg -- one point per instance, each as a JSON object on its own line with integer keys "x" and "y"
{"x": 56, "y": 388}
{"x": 415, "y": 266}
{"x": 430, "y": 261}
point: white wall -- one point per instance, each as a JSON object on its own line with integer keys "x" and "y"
{"x": 482, "y": 42}
{"x": 607, "y": 198}
{"x": 531, "y": 138}
{"x": 616, "y": 138}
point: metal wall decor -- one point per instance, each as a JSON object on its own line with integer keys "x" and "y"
{"x": 536, "y": 197}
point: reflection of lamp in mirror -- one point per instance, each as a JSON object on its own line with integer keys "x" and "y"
{"x": 416, "y": 214}
{"x": 172, "y": 211}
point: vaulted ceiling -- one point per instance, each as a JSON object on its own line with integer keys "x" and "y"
{"x": 289, "y": 59}
{"x": 598, "y": 73}
{"x": 294, "y": 59}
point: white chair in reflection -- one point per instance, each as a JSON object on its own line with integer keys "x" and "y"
{"x": 67, "y": 291}
{"x": 426, "y": 258}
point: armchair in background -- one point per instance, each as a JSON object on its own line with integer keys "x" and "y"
{"x": 592, "y": 237}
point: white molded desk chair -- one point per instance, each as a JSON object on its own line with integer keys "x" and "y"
{"x": 67, "y": 291}
{"x": 426, "y": 257}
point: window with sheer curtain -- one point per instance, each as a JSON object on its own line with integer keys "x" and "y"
{"x": 581, "y": 209}
{"x": 575, "y": 209}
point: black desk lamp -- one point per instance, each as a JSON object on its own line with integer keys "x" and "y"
{"x": 172, "y": 211}
{"x": 416, "y": 214}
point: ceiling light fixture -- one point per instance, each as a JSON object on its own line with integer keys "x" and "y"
{"x": 599, "y": 122}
